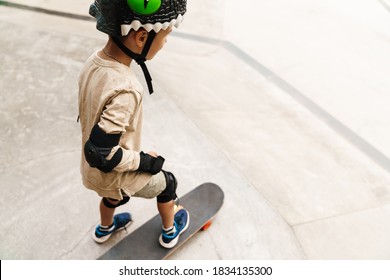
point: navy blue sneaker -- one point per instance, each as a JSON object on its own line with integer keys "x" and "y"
{"x": 168, "y": 239}
{"x": 121, "y": 221}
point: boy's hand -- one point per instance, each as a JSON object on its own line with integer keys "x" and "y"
{"x": 153, "y": 154}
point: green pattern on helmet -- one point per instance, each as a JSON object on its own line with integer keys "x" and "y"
{"x": 144, "y": 7}
{"x": 117, "y": 17}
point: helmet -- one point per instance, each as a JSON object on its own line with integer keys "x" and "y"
{"x": 117, "y": 17}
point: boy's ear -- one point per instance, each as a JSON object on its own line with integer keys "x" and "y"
{"x": 140, "y": 38}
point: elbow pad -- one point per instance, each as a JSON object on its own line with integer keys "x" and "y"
{"x": 99, "y": 146}
{"x": 150, "y": 164}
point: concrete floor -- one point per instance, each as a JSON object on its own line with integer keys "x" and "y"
{"x": 287, "y": 112}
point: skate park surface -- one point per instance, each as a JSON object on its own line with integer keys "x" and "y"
{"x": 284, "y": 104}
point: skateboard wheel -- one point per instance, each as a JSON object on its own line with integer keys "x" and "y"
{"x": 206, "y": 225}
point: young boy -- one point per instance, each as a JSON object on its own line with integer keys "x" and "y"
{"x": 110, "y": 111}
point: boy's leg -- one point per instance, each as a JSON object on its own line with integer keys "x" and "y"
{"x": 163, "y": 185}
{"x": 166, "y": 200}
{"x": 107, "y": 214}
{"x": 167, "y": 213}
{"x": 109, "y": 222}
{"x": 174, "y": 224}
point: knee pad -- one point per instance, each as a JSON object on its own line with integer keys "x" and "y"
{"x": 170, "y": 190}
{"x": 108, "y": 204}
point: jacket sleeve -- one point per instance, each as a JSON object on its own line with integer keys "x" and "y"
{"x": 115, "y": 118}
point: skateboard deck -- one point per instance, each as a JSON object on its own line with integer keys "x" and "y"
{"x": 202, "y": 203}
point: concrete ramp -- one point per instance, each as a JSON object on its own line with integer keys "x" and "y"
{"x": 297, "y": 183}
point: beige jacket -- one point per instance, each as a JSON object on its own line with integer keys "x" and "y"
{"x": 110, "y": 95}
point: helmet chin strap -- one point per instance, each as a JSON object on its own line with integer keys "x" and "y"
{"x": 140, "y": 58}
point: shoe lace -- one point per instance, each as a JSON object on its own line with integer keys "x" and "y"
{"x": 180, "y": 220}
{"x": 120, "y": 220}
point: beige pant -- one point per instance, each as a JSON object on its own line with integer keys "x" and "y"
{"x": 155, "y": 186}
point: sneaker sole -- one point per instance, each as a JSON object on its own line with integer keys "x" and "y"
{"x": 106, "y": 237}
{"x": 173, "y": 243}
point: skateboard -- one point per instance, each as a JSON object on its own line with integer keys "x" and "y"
{"x": 203, "y": 203}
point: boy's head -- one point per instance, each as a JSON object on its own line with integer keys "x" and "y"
{"x": 143, "y": 20}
